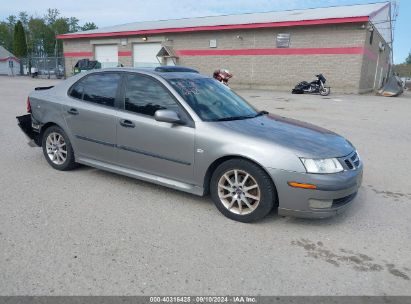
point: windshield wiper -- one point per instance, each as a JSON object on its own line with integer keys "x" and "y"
{"x": 261, "y": 113}
{"x": 241, "y": 117}
{"x": 234, "y": 118}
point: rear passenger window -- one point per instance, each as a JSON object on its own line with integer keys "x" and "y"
{"x": 145, "y": 95}
{"x": 98, "y": 88}
{"x": 77, "y": 91}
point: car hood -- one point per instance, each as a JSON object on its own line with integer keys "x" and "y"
{"x": 306, "y": 140}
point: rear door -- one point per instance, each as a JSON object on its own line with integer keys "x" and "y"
{"x": 148, "y": 145}
{"x": 91, "y": 116}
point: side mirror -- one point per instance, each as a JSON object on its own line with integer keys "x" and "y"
{"x": 167, "y": 116}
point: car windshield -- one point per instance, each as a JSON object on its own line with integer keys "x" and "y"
{"x": 211, "y": 100}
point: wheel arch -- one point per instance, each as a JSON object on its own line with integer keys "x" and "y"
{"x": 45, "y": 127}
{"x": 211, "y": 168}
{"x": 50, "y": 124}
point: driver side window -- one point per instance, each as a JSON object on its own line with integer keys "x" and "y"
{"x": 145, "y": 95}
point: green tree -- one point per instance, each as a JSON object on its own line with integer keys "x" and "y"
{"x": 24, "y": 18}
{"x": 38, "y": 36}
{"x": 11, "y": 21}
{"x": 60, "y": 26}
{"x": 40, "y": 32}
{"x": 6, "y": 39}
{"x": 73, "y": 24}
{"x": 408, "y": 59}
{"x": 89, "y": 26}
{"x": 19, "y": 40}
{"x": 51, "y": 16}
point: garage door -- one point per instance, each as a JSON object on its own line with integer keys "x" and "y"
{"x": 144, "y": 54}
{"x": 107, "y": 55}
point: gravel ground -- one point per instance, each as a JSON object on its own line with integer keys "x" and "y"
{"x": 89, "y": 232}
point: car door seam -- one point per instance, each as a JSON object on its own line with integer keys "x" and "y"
{"x": 133, "y": 150}
{"x": 153, "y": 155}
{"x": 96, "y": 141}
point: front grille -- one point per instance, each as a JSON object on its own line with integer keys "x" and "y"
{"x": 349, "y": 164}
{"x": 355, "y": 159}
{"x": 352, "y": 161}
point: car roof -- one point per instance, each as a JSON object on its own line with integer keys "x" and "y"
{"x": 178, "y": 72}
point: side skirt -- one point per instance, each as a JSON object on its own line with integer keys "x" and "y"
{"x": 142, "y": 176}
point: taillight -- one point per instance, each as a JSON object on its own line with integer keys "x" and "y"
{"x": 28, "y": 105}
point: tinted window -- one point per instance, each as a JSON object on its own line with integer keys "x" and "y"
{"x": 77, "y": 90}
{"x": 212, "y": 100}
{"x": 97, "y": 88}
{"x": 145, "y": 95}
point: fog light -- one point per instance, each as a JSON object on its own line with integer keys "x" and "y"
{"x": 319, "y": 204}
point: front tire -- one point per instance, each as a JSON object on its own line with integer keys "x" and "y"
{"x": 325, "y": 92}
{"x": 242, "y": 191}
{"x": 57, "y": 149}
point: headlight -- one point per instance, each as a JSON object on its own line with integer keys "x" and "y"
{"x": 326, "y": 165}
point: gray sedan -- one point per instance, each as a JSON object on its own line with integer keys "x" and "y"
{"x": 175, "y": 127}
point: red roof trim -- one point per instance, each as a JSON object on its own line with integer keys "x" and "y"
{"x": 256, "y": 52}
{"x": 10, "y": 58}
{"x": 124, "y": 53}
{"x": 275, "y": 51}
{"x": 219, "y": 27}
{"x": 78, "y": 54}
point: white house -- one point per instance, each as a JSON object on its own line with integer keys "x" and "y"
{"x": 9, "y": 64}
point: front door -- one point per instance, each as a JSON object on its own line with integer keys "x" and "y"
{"x": 159, "y": 148}
{"x": 91, "y": 116}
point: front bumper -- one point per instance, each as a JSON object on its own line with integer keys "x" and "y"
{"x": 341, "y": 188}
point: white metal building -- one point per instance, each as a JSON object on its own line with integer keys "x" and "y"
{"x": 351, "y": 45}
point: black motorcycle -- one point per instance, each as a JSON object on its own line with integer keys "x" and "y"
{"x": 315, "y": 86}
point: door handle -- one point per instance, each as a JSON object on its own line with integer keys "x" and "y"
{"x": 127, "y": 123}
{"x": 73, "y": 111}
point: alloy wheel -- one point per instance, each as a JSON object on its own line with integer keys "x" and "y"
{"x": 56, "y": 148}
{"x": 239, "y": 192}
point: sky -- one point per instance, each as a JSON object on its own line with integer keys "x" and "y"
{"x": 109, "y": 12}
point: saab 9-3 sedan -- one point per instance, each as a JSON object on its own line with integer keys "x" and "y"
{"x": 175, "y": 127}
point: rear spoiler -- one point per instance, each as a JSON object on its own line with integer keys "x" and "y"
{"x": 43, "y": 88}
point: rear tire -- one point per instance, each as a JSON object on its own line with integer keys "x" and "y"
{"x": 57, "y": 149}
{"x": 242, "y": 191}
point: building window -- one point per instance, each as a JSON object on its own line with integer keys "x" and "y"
{"x": 283, "y": 40}
{"x": 371, "y": 36}
{"x": 213, "y": 43}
